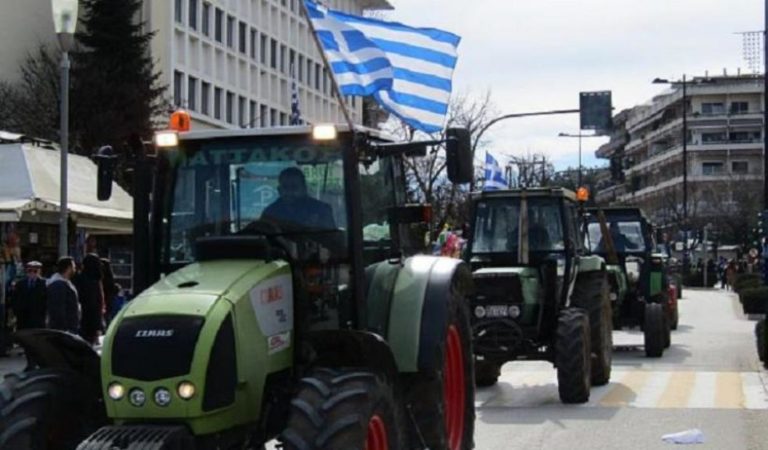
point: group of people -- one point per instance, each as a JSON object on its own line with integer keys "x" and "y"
{"x": 77, "y": 300}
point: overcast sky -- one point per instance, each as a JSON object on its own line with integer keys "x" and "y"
{"x": 539, "y": 54}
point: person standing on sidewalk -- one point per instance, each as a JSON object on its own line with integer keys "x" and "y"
{"x": 29, "y": 299}
{"x": 63, "y": 304}
{"x": 91, "y": 295}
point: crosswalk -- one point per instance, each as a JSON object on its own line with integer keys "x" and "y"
{"x": 634, "y": 389}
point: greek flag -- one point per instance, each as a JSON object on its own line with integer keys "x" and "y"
{"x": 295, "y": 110}
{"x": 494, "y": 176}
{"x": 407, "y": 70}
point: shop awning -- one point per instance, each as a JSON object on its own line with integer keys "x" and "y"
{"x": 29, "y": 184}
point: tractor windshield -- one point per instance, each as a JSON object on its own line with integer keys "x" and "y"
{"x": 627, "y": 237}
{"x": 237, "y": 187}
{"x": 497, "y": 223}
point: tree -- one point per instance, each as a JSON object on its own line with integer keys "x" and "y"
{"x": 31, "y": 106}
{"x": 116, "y": 87}
{"x": 426, "y": 177}
{"x": 532, "y": 170}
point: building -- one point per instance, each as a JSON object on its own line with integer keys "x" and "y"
{"x": 724, "y": 135}
{"x": 229, "y": 62}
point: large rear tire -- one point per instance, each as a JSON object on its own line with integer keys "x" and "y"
{"x": 760, "y": 340}
{"x": 441, "y": 405}
{"x": 486, "y": 373}
{"x": 47, "y": 409}
{"x": 573, "y": 356}
{"x": 592, "y": 293}
{"x": 344, "y": 409}
{"x": 654, "y": 330}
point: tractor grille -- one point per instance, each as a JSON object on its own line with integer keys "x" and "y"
{"x": 155, "y": 347}
{"x": 498, "y": 289}
{"x": 497, "y": 339}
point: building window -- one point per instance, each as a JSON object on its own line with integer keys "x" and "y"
{"x": 309, "y": 72}
{"x": 193, "y": 14}
{"x": 230, "y": 31}
{"x": 300, "y": 69}
{"x": 219, "y": 25}
{"x": 192, "y": 93}
{"x": 282, "y": 58}
{"x": 739, "y": 107}
{"x": 740, "y": 167}
{"x": 241, "y": 114}
{"x": 292, "y": 62}
{"x": 230, "y": 107}
{"x": 178, "y": 82}
{"x": 206, "y": 18}
{"x": 283, "y": 119}
{"x": 205, "y": 93}
{"x": 217, "y": 103}
{"x": 273, "y": 53}
{"x": 713, "y": 138}
{"x": 713, "y": 109}
{"x": 252, "y": 118}
{"x": 325, "y": 81}
{"x": 263, "y": 112}
{"x": 178, "y": 11}
{"x": 745, "y": 137}
{"x": 272, "y": 117}
{"x": 317, "y": 76}
{"x": 243, "y": 37}
{"x": 254, "y": 43}
{"x": 263, "y": 49}
{"x": 711, "y": 168}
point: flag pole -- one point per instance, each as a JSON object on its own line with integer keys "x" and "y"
{"x": 334, "y": 84}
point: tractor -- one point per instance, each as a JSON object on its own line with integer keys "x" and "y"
{"x": 640, "y": 290}
{"x": 538, "y": 295}
{"x": 281, "y": 297}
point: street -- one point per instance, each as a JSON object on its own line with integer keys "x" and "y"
{"x": 709, "y": 379}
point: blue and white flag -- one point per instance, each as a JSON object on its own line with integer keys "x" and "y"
{"x": 295, "y": 110}
{"x": 494, "y": 176}
{"x": 408, "y": 70}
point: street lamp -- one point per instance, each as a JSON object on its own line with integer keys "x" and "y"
{"x": 65, "y": 24}
{"x": 578, "y": 136}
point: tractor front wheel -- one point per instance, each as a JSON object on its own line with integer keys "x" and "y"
{"x": 592, "y": 293}
{"x": 573, "y": 356}
{"x": 654, "y": 326}
{"x": 47, "y": 409}
{"x": 486, "y": 373}
{"x": 343, "y": 408}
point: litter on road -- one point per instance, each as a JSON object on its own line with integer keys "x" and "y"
{"x": 693, "y": 436}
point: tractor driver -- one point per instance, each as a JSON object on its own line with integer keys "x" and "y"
{"x": 295, "y": 207}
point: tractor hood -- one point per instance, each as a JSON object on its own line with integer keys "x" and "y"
{"x": 193, "y": 289}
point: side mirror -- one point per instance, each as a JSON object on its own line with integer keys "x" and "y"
{"x": 105, "y": 161}
{"x": 409, "y": 225}
{"x": 461, "y": 168}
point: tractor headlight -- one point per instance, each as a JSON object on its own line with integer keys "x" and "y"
{"x": 137, "y": 397}
{"x": 186, "y": 390}
{"x": 480, "y": 312}
{"x": 514, "y": 311}
{"x": 162, "y": 397}
{"x": 116, "y": 391}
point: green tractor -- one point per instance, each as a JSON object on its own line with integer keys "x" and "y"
{"x": 538, "y": 295}
{"x": 640, "y": 289}
{"x": 280, "y": 299}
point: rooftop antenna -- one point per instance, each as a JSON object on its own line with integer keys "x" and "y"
{"x": 752, "y": 43}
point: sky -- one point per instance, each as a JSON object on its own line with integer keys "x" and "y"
{"x": 535, "y": 55}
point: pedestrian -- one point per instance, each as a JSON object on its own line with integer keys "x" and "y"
{"x": 29, "y": 299}
{"x": 111, "y": 289}
{"x": 91, "y": 295}
{"x": 63, "y": 305}
{"x": 730, "y": 274}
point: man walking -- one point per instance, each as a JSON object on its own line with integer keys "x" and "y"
{"x": 29, "y": 299}
{"x": 63, "y": 304}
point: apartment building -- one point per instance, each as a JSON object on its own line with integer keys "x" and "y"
{"x": 724, "y": 134}
{"x": 229, "y": 62}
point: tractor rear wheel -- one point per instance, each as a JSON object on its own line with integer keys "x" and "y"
{"x": 47, "y": 409}
{"x": 441, "y": 405}
{"x": 573, "y": 356}
{"x": 760, "y": 340}
{"x": 654, "y": 330}
{"x": 486, "y": 373}
{"x": 343, "y": 408}
{"x": 592, "y": 293}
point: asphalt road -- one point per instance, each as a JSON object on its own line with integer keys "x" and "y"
{"x": 709, "y": 379}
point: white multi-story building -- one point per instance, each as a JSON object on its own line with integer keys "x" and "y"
{"x": 724, "y": 134}
{"x": 229, "y": 62}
